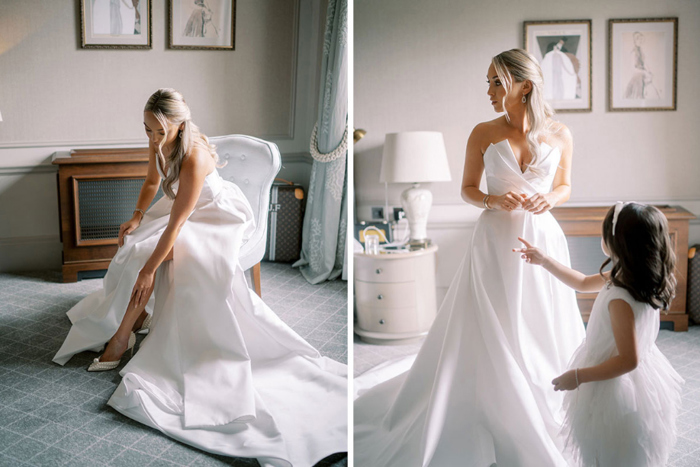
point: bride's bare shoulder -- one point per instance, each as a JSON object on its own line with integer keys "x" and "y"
{"x": 490, "y": 125}
{"x": 560, "y": 135}
{"x": 198, "y": 159}
{"x": 485, "y": 133}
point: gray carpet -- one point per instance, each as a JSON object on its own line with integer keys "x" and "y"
{"x": 681, "y": 348}
{"x": 52, "y": 415}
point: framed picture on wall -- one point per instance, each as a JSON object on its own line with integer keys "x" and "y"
{"x": 563, "y": 50}
{"x": 642, "y": 64}
{"x": 115, "y": 24}
{"x": 203, "y": 24}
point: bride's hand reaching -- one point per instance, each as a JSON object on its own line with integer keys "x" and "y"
{"x": 507, "y": 202}
{"x": 127, "y": 227}
{"x": 143, "y": 288}
{"x": 531, "y": 254}
{"x": 539, "y": 203}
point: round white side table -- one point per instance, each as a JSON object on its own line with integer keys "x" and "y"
{"x": 395, "y": 297}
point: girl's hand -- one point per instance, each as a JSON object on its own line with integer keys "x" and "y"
{"x": 143, "y": 288}
{"x": 531, "y": 254}
{"x": 565, "y": 382}
{"x": 539, "y": 203}
{"x": 507, "y": 202}
{"x": 127, "y": 227}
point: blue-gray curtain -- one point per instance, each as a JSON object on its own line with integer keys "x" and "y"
{"x": 325, "y": 222}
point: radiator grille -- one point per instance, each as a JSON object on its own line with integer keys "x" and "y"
{"x": 103, "y": 205}
{"x": 586, "y": 254}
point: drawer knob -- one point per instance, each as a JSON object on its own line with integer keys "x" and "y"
{"x": 380, "y": 296}
{"x": 378, "y": 271}
{"x": 381, "y": 321}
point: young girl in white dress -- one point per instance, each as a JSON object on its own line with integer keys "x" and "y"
{"x": 627, "y": 395}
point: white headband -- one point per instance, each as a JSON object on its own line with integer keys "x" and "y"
{"x": 618, "y": 207}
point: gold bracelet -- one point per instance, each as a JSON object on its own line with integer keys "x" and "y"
{"x": 486, "y": 202}
{"x": 141, "y": 211}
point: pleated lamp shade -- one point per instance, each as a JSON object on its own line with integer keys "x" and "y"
{"x": 414, "y": 157}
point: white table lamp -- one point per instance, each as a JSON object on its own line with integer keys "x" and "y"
{"x": 415, "y": 157}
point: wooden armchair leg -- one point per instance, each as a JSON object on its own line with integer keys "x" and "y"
{"x": 256, "y": 279}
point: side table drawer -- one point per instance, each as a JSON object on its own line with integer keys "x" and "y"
{"x": 385, "y": 295}
{"x": 384, "y": 270}
{"x": 390, "y": 320}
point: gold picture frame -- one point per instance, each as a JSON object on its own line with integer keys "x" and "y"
{"x": 563, "y": 48}
{"x": 202, "y": 24}
{"x": 116, "y": 24}
{"x": 642, "y": 64}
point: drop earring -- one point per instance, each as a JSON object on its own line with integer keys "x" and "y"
{"x": 524, "y": 99}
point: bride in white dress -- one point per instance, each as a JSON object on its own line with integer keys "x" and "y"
{"x": 479, "y": 391}
{"x": 218, "y": 370}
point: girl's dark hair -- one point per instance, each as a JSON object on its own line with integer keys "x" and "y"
{"x": 643, "y": 254}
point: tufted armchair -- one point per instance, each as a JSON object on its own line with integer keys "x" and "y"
{"x": 252, "y": 164}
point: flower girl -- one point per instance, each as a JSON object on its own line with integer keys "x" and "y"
{"x": 623, "y": 412}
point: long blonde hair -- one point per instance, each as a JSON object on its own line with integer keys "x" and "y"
{"x": 519, "y": 65}
{"x": 169, "y": 107}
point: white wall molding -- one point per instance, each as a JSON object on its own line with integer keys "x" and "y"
{"x": 30, "y": 240}
{"x": 73, "y": 144}
{"x": 297, "y": 158}
{"x": 28, "y": 170}
{"x": 47, "y": 167}
{"x": 463, "y": 215}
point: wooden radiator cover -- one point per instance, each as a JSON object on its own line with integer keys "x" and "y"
{"x": 97, "y": 192}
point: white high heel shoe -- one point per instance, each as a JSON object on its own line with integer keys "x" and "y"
{"x": 97, "y": 365}
{"x": 146, "y": 326}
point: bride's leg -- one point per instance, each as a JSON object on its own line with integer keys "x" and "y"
{"x": 118, "y": 343}
{"x": 138, "y": 324}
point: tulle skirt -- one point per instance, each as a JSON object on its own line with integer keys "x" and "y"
{"x": 629, "y": 421}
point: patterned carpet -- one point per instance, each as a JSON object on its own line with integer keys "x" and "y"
{"x": 681, "y": 348}
{"x": 52, "y": 415}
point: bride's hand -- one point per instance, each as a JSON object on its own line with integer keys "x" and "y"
{"x": 507, "y": 202}
{"x": 143, "y": 288}
{"x": 127, "y": 227}
{"x": 531, "y": 254}
{"x": 539, "y": 203}
{"x": 565, "y": 382}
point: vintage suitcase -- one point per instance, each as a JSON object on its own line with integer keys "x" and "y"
{"x": 693, "y": 297}
{"x": 285, "y": 221}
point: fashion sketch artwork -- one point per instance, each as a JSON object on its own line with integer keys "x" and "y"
{"x": 643, "y": 64}
{"x": 563, "y": 50}
{"x": 115, "y": 23}
{"x": 202, "y": 24}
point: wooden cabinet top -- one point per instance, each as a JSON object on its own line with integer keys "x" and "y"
{"x": 597, "y": 213}
{"x": 100, "y": 156}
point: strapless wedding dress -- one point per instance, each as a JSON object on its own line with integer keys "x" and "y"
{"x": 218, "y": 369}
{"x": 479, "y": 391}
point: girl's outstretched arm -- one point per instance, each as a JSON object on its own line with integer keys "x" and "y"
{"x": 574, "y": 279}
{"x": 622, "y": 320}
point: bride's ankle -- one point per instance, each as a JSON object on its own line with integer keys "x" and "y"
{"x": 138, "y": 324}
{"x": 115, "y": 347}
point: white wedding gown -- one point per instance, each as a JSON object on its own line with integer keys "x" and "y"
{"x": 218, "y": 370}
{"x": 479, "y": 391}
